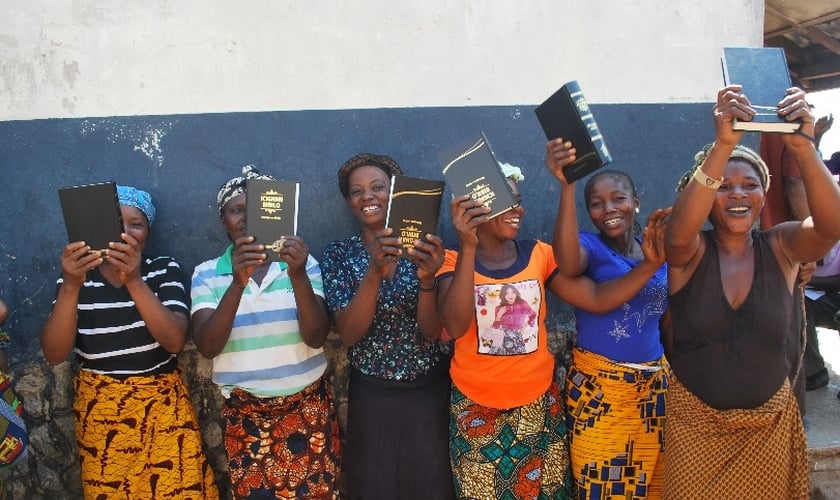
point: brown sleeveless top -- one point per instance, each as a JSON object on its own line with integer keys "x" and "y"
{"x": 734, "y": 358}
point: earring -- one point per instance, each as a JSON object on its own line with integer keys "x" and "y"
{"x": 637, "y": 209}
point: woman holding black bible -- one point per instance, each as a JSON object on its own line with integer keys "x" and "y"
{"x": 125, "y": 316}
{"x": 385, "y": 311}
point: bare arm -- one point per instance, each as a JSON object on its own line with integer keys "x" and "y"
{"x": 59, "y": 333}
{"x": 456, "y": 294}
{"x": 571, "y": 260}
{"x": 312, "y": 310}
{"x": 428, "y": 255}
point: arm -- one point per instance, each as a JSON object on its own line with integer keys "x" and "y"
{"x": 601, "y": 298}
{"x": 353, "y": 321}
{"x": 312, "y": 311}
{"x": 795, "y": 193}
{"x": 169, "y": 328}
{"x": 691, "y": 208}
{"x": 211, "y": 327}
{"x": 456, "y": 295}
{"x": 428, "y": 255}
{"x": 59, "y": 333}
{"x": 571, "y": 260}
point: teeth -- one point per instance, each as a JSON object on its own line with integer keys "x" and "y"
{"x": 370, "y": 208}
{"x": 738, "y": 209}
{"x": 612, "y": 222}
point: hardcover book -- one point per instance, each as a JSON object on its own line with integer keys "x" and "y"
{"x": 271, "y": 208}
{"x": 413, "y": 208}
{"x": 763, "y": 73}
{"x": 470, "y": 167}
{"x": 566, "y": 114}
{"x": 92, "y": 214}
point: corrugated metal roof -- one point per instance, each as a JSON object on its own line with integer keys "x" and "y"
{"x": 809, "y": 32}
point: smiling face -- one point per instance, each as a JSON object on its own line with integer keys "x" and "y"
{"x": 510, "y": 295}
{"x": 135, "y": 224}
{"x": 233, "y": 216}
{"x": 367, "y": 195}
{"x": 506, "y": 225}
{"x": 612, "y": 207}
{"x": 739, "y": 199}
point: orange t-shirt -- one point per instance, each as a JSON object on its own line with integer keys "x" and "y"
{"x": 503, "y": 361}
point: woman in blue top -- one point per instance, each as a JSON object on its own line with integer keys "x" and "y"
{"x": 616, "y": 385}
{"x": 385, "y": 311}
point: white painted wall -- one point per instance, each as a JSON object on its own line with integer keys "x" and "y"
{"x": 125, "y": 57}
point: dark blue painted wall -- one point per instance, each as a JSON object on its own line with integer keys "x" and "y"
{"x": 196, "y": 153}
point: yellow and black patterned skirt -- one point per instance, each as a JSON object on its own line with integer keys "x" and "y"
{"x": 138, "y": 438}
{"x": 517, "y": 453}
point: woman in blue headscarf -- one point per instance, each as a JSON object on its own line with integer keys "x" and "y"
{"x": 124, "y": 315}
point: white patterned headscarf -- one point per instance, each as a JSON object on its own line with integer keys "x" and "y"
{"x": 236, "y": 186}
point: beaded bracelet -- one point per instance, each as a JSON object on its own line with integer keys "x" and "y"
{"x": 705, "y": 180}
{"x": 5, "y": 340}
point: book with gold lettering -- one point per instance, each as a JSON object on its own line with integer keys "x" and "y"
{"x": 92, "y": 214}
{"x": 272, "y": 213}
{"x": 567, "y": 114}
{"x": 470, "y": 167}
{"x": 413, "y": 208}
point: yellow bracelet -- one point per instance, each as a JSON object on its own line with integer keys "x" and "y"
{"x": 705, "y": 180}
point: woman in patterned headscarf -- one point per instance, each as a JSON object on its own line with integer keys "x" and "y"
{"x": 734, "y": 427}
{"x": 125, "y": 316}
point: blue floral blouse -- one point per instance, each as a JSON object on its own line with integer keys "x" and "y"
{"x": 394, "y": 347}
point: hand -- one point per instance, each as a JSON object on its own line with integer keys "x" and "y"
{"x": 731, "y": 104}
{"x": 794, "y": 107}
{"x": 126, "y": 256}
{"x": 428, "y": 255}
{"x": 76, "y": 261}
{"x": 823, "y": 125}
{"x": 467, "y": 215}
{"x": 806, "y": 271}
{"x": 653, "y": 237}
{"x": 246, "y": 256}
{"x": 294, "y": 253}
{"x": 384, "y": 251}
{"x": 558, "y": 154}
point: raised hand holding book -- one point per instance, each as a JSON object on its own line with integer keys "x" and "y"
{"x": 271, "y": 208}
{"x": 470, "y": 167}
{"x": 413, "y": 209}
{"x": 763, "y": 74}
{"x": 566, "y": 114}
{"x": 92, "y": 214}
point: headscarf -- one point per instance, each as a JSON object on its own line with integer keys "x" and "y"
{"x": 741, "y": 153}
{"x": 138, "y": 199}
{"x": 236, "y": 186}
{"x": 512, "y": 172}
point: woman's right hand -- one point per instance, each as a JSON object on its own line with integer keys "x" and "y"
{"x": 559, "y": 153}
{"x": 467, "y": 215}
{"x": 246, "y": 256}
{"x": 76, "y": 261}
{"x": 731, "y": 104}
{"x": 384, "y": 251}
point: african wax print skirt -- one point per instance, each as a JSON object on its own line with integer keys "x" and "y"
{"x": 138, "y": 438}
{"x": 283, "y": 447}
{"x": 740, "y": 453}
{"x": 616, "y": 418}
{"x": 515, "y": 453}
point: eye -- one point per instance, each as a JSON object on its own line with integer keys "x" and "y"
{"x": 380, "y": 187}
{"x": 355, "y": 192}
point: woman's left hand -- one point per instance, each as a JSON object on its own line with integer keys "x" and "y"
{"x": 126, "y": 257}
{"x": 428, "y": 255}
{"x": 795, "y": 107}
{"x": 294, "y": 253}
{"x": 653, "y": 236}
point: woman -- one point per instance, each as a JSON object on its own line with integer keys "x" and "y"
{"x": 615, "y": 387}
{"x": 125, "y": 316}
{"x": 512, "y": 315}
{"x": 264, "y": 324}
{"x": 734, "y": 427}
{"x": 385, "y": 311}
{"x": 507, "y": 435}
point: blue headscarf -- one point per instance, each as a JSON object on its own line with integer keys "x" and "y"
{"x": 138, "y": 199}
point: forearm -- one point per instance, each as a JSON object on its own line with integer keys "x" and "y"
{"x": 613, "y": 293}
{"x": 566, "y": 241}
{"x": 457, "y": 301}
{"x": 821, "y": 191}
{"x": 353, "y": 321}
{"x": 211, "y": 328}
{"x": 167, "y": 327}
{"x": 428, "y": 317}
{"x": 313, "y": 320}
{"x": 59, "y": 333}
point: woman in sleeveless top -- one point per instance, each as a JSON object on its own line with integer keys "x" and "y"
{"x": 734, "y": 426}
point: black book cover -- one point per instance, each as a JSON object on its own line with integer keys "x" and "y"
{"x": 272, "y": 212}
{"x": 566, "y": 114}
{"x": 92, "y": 214}
{"x": 763, "y": 73}
{"x": 470, "y": 167}
{"x": 413, "y": 208}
